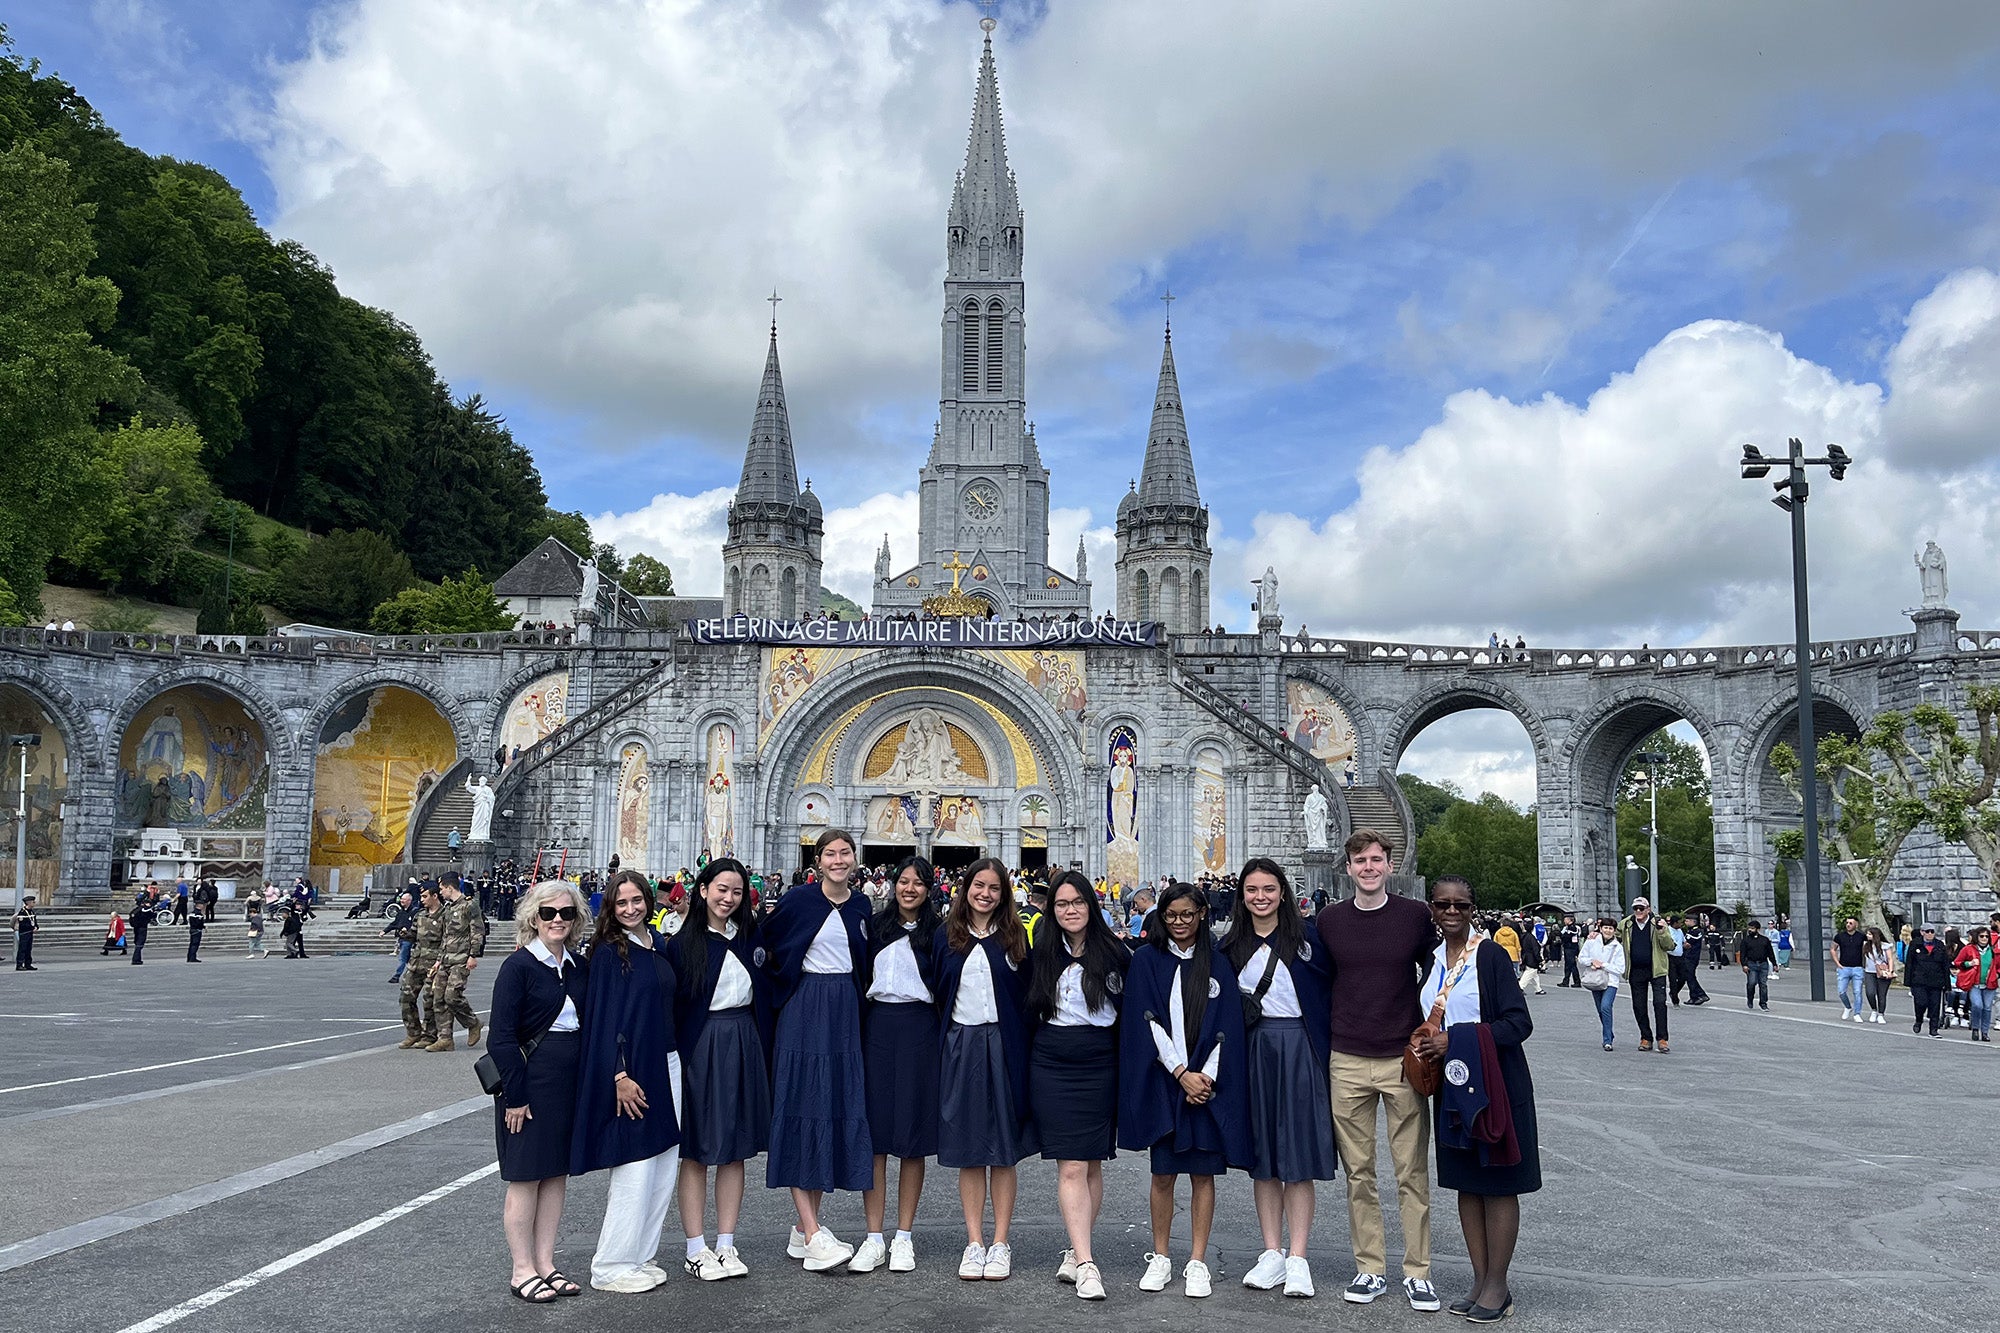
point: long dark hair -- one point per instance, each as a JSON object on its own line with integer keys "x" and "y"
{"x": 608, "y": 931}
{"x": 886, "y": 926}
{"x": 1104, "y": 954}
{"x": 1194, "y": 982}
{"x": 1290, "y": 932}
{"x": 1006, "y": 917}
{"x": 691, "y": 940}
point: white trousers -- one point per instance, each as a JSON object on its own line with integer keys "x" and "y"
{"x": 636, "y": 1208}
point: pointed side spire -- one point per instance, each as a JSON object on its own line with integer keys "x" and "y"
{"x": 770, "y": 472}
{"x": 1082, "y": 561}
{"x": 1168, "y": 474}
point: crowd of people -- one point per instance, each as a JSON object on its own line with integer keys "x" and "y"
{"x": 1219, "y": 1029}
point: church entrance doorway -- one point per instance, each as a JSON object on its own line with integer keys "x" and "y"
{"x": 1035, "y": 859}
{"x": 955, "y": 858}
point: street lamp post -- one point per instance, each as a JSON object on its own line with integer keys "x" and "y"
{"x": 22, "y": 742}
{"x": 1792, "y": 491}
{"x": 1652, "y": 760}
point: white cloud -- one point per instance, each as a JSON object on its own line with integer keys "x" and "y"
{"x": 1481, "y": 750}
{"x": 1944, "y": 376}
{"x": 1622, "y": 519}
{"x": 854, "y": 534}
{"x": 686, "y": 531}
{"x": 1100, "y": 546}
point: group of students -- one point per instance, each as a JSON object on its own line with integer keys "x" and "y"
{"x": 913, "y": 1034}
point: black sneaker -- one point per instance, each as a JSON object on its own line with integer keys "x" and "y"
{"x": 1365, "y": 1288}
{"x": 1423, "y": 1296}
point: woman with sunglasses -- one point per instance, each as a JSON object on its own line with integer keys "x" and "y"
{"x": 1601, "y": 963}
{"x": 628, "y": 1101}
{"x": 1182, "y": 1088}
{"x": 1490, "y": 1158}
{"x": 722, "y": 1009}
{"x": 535, "y": 1037}
{"x": 900, "y": 1061}
{"x": 983, "y": 1126}
{"x": 1288, "y": 1007}
{"x": 817, "y": 953}
{"x": 1076, "y": 983}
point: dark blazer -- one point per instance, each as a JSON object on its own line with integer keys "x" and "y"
{"x": 526, "y": 999}
{"x": 691, "y": 1001}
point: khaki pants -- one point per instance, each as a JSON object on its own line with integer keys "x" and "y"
{"x": 1358, "y": 1084}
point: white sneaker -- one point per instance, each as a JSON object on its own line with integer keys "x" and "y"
{"x": 1066, "y": 1270}
{"x": 871, "y": 1256}
{"x": 654, "y": 1271}
{"x": 630, "y": 1282}
{"x": 732, "y": 1262}
{"x": 705, "y": 1266}
{"x": 1845, "y": 1013}
{"x": 999, "y": 1263}
{"x": 826, "y": 1250}
{"x": 1298, "y": 1276}
{"x": 902, "y": 1256}
{"x": 1089, "y": 1283}
{"x": 972, "y": 1264}
{"x": 1860, "y": 1018}
{"x": 1195, "y": 1275}
{"x": 1880, "y": 1019}
{"x": 1267, "y": 1272}
{"x": 795, "y": 1245}
{"x": 1159, "y": 1270}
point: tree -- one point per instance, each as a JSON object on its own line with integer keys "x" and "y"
{"x": 571, "y": 529}
{"x": 1962, "y": 799}
{"x": 53, "y": 374}
{"x": 149, "y": 500}
{"x": 840, "y": 608}
{"x": 648, "y": 577}
{"x": 465, "y": 605}
{"x": 1682, "y": 766}
{"x": 1687, "y": 821}
{"x": 1492, "y": 844}
{"x": 1429, "y": 802}
{"x": 1873, "y": 802}
{"x": 10, "y": 608}
{"x": 339, "y": 579}
{"x": 231, "y": 614}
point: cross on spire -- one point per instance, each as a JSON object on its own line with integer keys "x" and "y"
{"x": 1168, "y": 299}
{"x": 774, "y": 298}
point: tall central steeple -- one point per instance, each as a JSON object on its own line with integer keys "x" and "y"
{"x": 983, "y": 493}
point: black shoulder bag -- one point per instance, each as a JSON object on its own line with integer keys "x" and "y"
{"x": 1253, "y": 1003}
{"x": 487, "y": 1070}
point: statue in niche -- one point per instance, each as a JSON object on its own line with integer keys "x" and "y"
{"x": 1930, "y": 568}
{"x": 926, "y": 753}
{"x": 160, "y": 805}
{"x": 1314, "y": 814}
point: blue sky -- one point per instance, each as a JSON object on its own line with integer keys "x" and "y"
{"x": 1430, "y": 263}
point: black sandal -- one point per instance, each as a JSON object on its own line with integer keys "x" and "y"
{"x": 542, "y": 1293}
{"x": 561, "y": 1285}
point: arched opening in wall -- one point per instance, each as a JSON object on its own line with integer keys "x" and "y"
{"x": 1778, "y": 810}
{"x": 996, "y": 347}
{"x": 1197, "y": 602}
{"x": 537, "y": 708}
{"x": 1467, "y": 771}
{"x": 193, "y": 773}
{"x": 788, "y": 594}
{"x": 375, "y": 755}
{"x": 735, "y": 602}
{"x": 1170, "y": 600}
{"x": 968, "y": 339}
{"x": 47, "y": 785}
{"x": 759, "y": 597}
{"x": 1142, "y": 596}
{"x": 1643, "y": 757}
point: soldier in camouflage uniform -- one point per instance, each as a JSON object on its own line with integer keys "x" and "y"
{"x": 462, "y": 923}
{"x": 416, "y": 986}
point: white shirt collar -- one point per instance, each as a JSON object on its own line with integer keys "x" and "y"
{"x": 541, "y": 951}
{"x": 728, "y": 931}
{"x": 1179, "y": 952}
{"x": 642, "y": 938}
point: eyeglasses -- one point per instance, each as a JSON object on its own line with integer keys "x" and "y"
{"x": 1075, "y": 904}
{"x": 1180, "y": 918}
{"x": 1451, "y": 907}
{"x": 557, "y": 913}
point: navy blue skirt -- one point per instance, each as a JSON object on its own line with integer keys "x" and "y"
{"x": 1291, "y": 1116}
{"x": 541, "y": 1149}
{"x": 725, "y": 1095}
{"x": 1192, "y": 1162}
{"x": 819, "y": 1103}
{"x": 977, "y": 1122}
{"x": 1073, "y": 1093}
{"x": 901, "y": 1064}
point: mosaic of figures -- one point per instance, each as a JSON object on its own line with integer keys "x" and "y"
{"x": 1211, "y": 812}
{"x": 634, "y": 812}
{"x": 1121, "y": 807}
{"x": 377, "y": 754}
{"x": 193, "y": 757}
{"x": 1056, "y": 674}
{"x": 925, "y": 749}
{"x": 956, "y": 821}
{"x": 540, "y": 707}
{"x": 1318, "y": 723}
{"x": 718, "y": 814}
{"x": 21, "y": 714}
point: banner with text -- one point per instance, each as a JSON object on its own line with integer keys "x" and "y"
{"x": 929, "y": 633}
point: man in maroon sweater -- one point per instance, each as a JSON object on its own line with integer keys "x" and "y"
{"x": 1378, "y": 947}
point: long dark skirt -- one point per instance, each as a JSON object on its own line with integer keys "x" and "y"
{"x": 725, "y": 1094}
{"x": 901, "y": 1063}
{"x": 1459, "y": 1168}
{"x": 978, "y": 1124}
{"x": 541, "y": 1149}
{"x": 819, "y": 1102}
{"x": 1073, "y": 1093}
{"x": 1291, "y": 1122}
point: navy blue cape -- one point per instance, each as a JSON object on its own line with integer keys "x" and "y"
{"x": 790, "y": 929}
{"x": 1151, "y": 1105}
{"x": 631, "y": 1028}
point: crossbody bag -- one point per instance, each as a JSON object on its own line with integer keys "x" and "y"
{"x": 487, "y": 1070}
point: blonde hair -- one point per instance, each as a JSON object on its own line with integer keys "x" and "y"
{"x": 554, "y": 891}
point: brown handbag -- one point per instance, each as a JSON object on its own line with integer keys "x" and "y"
{"x": 1425, "y": 1074}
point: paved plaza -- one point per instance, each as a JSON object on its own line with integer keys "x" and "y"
{"x": 240, "y": 1146}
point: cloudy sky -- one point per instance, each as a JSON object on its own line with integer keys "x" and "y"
{"x": 1477, "y": 302}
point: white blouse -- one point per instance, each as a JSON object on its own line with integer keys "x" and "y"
{"x": 1172, "y": 1044}
{"x": 1071, "y": 1009}
{"x": 1282, "y": 1000}
{"x": 1462, "y": 1005}
{"x": 897, "y": 979}
{"x": 567, "y": 1020}
{"x": 829, "y": 954}
{"x": 976, "y": 1002}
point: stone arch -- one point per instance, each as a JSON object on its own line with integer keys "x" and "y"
{"x": 788, "y": 594}
{"x": 1456, "y": 696}
{"x": 1833, "y": 711}
{"x": 503, "y": 699}
{"x": 1357, "y": 714}
{"x": 53, "y": 791}
{"x": 80, "y": 740}
{"x": 760, "y": 590}
{"x": 1604, "y": 739}
{"x": 278, "y": 738}
{"x": 733, "y": 604}
{"x": 884, "y": 716}
{"x": 1196, "y": 619}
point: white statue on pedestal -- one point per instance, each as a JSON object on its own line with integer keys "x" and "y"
{"x": 1930, "y": 567}
{"x": 1314, "y": 814}
{"x": 1267, "y": 595}
{"x": 482, "y": 809}
{"x": 587, "y": 599}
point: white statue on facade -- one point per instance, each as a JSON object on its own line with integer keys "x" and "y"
{"x": 1930, "y": 567}
{"x": 1314, "y": 814}
{"x": 1267, "y": 595}
{"x": 587, "y": 599}
{"x": 482, "y": 809}
{"x": 926, "y": 753}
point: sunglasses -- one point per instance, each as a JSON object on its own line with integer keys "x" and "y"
{"x": 1451, "y": 907}
{"x": 557, "y": 913}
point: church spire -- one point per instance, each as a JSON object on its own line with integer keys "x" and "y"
{"x": 985, "y": 220}
{"x": 770, "y": 472}
{"x": 1168, "y": 474}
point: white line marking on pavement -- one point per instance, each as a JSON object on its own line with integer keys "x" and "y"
{"x": 199, "y": 1059}
{"x": 173, "y": 1205}
{"x": 176, "y": 1089}
{"x": 216, "y": 1295}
